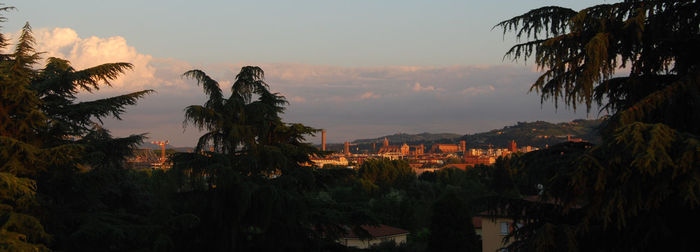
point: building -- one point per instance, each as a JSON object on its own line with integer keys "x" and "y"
{"x": 575, "y": 140}
{"x": 394, "y": 151}
{"x": 495, "y": 227}
{"x": 462, "y": 167}
{"x": 402, "y": 150}
{"x": 378, "y": 234}
{"x": 416, "y": 150}
{"x": 492, "y": 231}
{"x": 330, "y": 160}
{"x": 475, "y": 160}
{"x": 445, "y": 148}
{"x": 513, "y": 147}
{"x": 146, "y": 159}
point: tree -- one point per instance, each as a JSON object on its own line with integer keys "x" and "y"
{"x": 22, "y": 154}
{"x": 632, "y": 191}
{"x": 386, "y": 173}
{"x": 250, "y": 187}
{"x": 249, "y": 132}
{"x": 451, "y": 228}
{"x": 60, "y": 170}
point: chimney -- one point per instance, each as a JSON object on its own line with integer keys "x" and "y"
{"x": 323, "y": 140}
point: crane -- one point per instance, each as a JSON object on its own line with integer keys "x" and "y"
{"x": 162, "y": 147}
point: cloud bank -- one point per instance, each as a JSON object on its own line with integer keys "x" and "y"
{"x": 349, "y": 102}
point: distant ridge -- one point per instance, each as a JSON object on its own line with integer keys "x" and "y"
{"x": 149, "y": 145}
{"x": 537, "y": 134}
{"x": 167, "y": 147}
{"x": 411, "y": 138}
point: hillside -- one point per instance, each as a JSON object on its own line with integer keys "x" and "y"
{"x": 537, "y": 134}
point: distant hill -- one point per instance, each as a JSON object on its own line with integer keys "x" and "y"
{"x": 410, "y": 138}
{"x": 183, "y": 149}
{"x": 151, "y": 146}
{"x": 537, "y": 134}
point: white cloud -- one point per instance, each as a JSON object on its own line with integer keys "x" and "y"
{"x": 92, "y": 51}
{"x": 418, "y": 87}
{"x": 369, "y": 95}
{"x": 479, "y": 90}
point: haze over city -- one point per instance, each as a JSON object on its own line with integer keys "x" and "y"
{"x": 358, "y": 69}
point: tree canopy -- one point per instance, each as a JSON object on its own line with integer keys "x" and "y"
{"x": 639, "y": 61}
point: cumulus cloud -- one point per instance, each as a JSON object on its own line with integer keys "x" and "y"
{"x": 418, "y": 87}
{"x": 92, "y": 51}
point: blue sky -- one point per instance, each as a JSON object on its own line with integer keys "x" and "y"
{"x": 357, "y": 68}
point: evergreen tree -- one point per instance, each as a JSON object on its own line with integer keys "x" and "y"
{"x": 251, "y": 189}
{"x": 638, "y": 190}
{"x": 22, "y": 153}
{"x": 249, "y": 132}
{"x": 57, "y": 164}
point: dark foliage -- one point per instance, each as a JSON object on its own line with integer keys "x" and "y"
{"x": 638, "y": 188}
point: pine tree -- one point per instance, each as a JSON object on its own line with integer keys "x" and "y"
{"x": 22, "y": 154}
{"x": 92, "y": 202}
{"x": 50, "y": 144}
{"x": 639, "y": 189}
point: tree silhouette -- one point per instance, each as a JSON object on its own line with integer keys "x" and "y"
{"x": 632, "y": 191}
{"x": 251, "y": 183}
{"x": 58, "y": 165}
{"x": 22, "y": 156}
{"x": 249, "y": 132}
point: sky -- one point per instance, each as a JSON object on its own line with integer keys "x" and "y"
{"x": 358, "y": 69}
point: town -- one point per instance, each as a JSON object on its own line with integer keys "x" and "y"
{"x": 420, "y": 158}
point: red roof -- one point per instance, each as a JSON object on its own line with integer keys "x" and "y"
{"x": 476, "y": 221}
{"x": 377, "y": 231}
{"x": 458, "y": 166}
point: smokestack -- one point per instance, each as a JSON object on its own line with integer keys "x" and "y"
{"x": 463, "y": 146}
{"x": 346, "y": 148}
{"x": 323, "y": 140}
